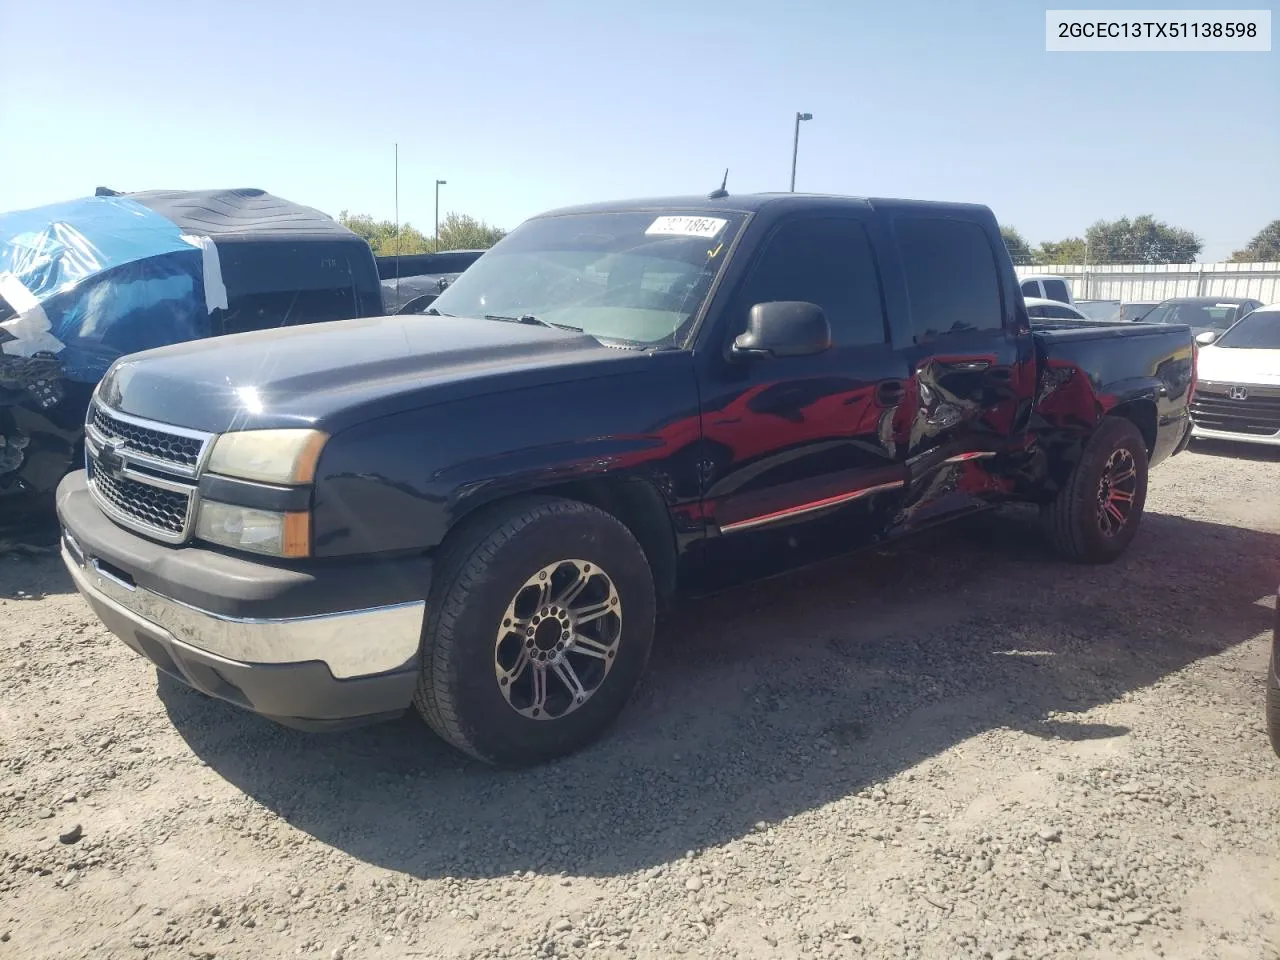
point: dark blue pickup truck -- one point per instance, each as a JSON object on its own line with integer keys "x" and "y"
{"x": 480, "y": 510}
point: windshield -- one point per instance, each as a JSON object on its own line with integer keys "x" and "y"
{"x": 1217, "y": 316}
{"x": 1259, "y": 330}
{"x": 634, "y": 277}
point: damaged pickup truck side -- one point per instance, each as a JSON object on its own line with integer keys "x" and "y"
{"x": 480, "y": 510}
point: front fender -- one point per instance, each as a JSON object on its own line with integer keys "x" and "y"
{"x": 399, "y": 483}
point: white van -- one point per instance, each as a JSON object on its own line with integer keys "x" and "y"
{"x": 1047, "y": 287}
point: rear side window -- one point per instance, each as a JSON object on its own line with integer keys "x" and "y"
{"x": 1056, "y": 290}
{"x": 828, "y": 262}
{"x": 1031, "y": 288}
{"x": 952, "y": 281}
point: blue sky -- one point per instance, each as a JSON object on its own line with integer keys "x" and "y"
{"x": 526, "y": 106}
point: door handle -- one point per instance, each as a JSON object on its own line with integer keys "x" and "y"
{"x": 970, "y": 366}
{"x": 890, "y": 393}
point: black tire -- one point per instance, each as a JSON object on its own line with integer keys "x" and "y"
{"x": 480, "y": 570}
{"x": 1074, "y": 522}
{"x": 1273, "y": 701}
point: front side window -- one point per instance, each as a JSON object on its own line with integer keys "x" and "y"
{"x": 828, "y": 262}
{"x": 1259, "y": 330}
{"x": 635, "y": 277}
{"x": 952, "y": 281}
{"x": 1056, "y": 290}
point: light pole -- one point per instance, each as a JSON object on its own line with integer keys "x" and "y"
{"x": 439, "y": 184}
{"x": 795, "y": 147}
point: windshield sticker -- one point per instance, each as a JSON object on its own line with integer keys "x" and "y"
{"x": 705, "y": 227}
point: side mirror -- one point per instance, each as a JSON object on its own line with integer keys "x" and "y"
{"x": 1206, "y": 338}
{"x": 784, "y": 328}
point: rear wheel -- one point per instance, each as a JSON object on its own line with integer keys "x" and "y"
{"x": 1097, "y": 512}
{"x": 538, "y": 628}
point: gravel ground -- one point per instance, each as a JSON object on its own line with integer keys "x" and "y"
{"x": 959, "y": 747}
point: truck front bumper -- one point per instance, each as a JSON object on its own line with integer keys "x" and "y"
{"x": 314, "y": 646}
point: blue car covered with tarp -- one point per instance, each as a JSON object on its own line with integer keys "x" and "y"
{"x": 85, "y": 282}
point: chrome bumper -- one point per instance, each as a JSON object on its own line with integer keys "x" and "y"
{"x": 1272, "y": 440}
{"x": 353, "y": 643}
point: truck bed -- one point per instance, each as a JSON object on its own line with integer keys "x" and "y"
{"x": 1106, "y": 329}
{"x": 1084, "y": 373}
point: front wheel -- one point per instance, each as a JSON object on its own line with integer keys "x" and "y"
{"x": 539, "y": 626}
{"x": 1097, "y": 512}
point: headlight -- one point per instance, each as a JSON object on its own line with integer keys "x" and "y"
{"x": 270, "y": 456}
{"x": 258, "y": 531}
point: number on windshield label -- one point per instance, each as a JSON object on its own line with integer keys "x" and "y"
{"x": 706, "y": 227}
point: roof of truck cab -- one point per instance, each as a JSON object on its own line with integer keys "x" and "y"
{"x": 1233, "y": 301}
{"x": 241, "y": 214}
{"x": 755, "y": 202}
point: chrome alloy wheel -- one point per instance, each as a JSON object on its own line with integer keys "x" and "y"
{"x": 1117, "y": 490}
{"x": 558, "y": 639}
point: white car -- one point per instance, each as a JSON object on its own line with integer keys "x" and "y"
{"x": 1238, "y": 380}
{"x": 1038, "y": 309}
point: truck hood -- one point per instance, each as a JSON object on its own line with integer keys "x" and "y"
{"x": 1238, "y": 365}
{"x": 329, "y": 375}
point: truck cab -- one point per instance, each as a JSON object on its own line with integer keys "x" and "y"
{"x": 1047, "y": 287}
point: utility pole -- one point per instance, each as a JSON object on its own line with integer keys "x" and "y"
{"x": 397, "y": 178}
{"x": 795, "y": 147}
{"x": 439, "y": 184}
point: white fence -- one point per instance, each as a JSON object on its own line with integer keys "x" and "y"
{"x": 1260, "y": 281}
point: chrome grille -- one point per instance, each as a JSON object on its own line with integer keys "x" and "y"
{"x": 170, "y": 447}
{"x": 1258, "y": 414}
{"x": 162, "y": 509}
{"x": 143, "y": 474}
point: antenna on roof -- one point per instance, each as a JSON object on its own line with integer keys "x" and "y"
{"x": 722, "y": 192}
{"x": 397, "y": 179}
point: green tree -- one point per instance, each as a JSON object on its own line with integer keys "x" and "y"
{"x": 1068, "y": 251}
{"x": 457, "y": 232}
{"x": 1017, "y": 246}
{"x": 1144, "y": 239}
{"x": 381, "y": 235}
{"x": 1264, "y": 247}
{"x": 461, "y": 232}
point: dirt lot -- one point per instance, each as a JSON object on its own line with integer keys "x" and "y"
{"x": 957, "y": 748}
